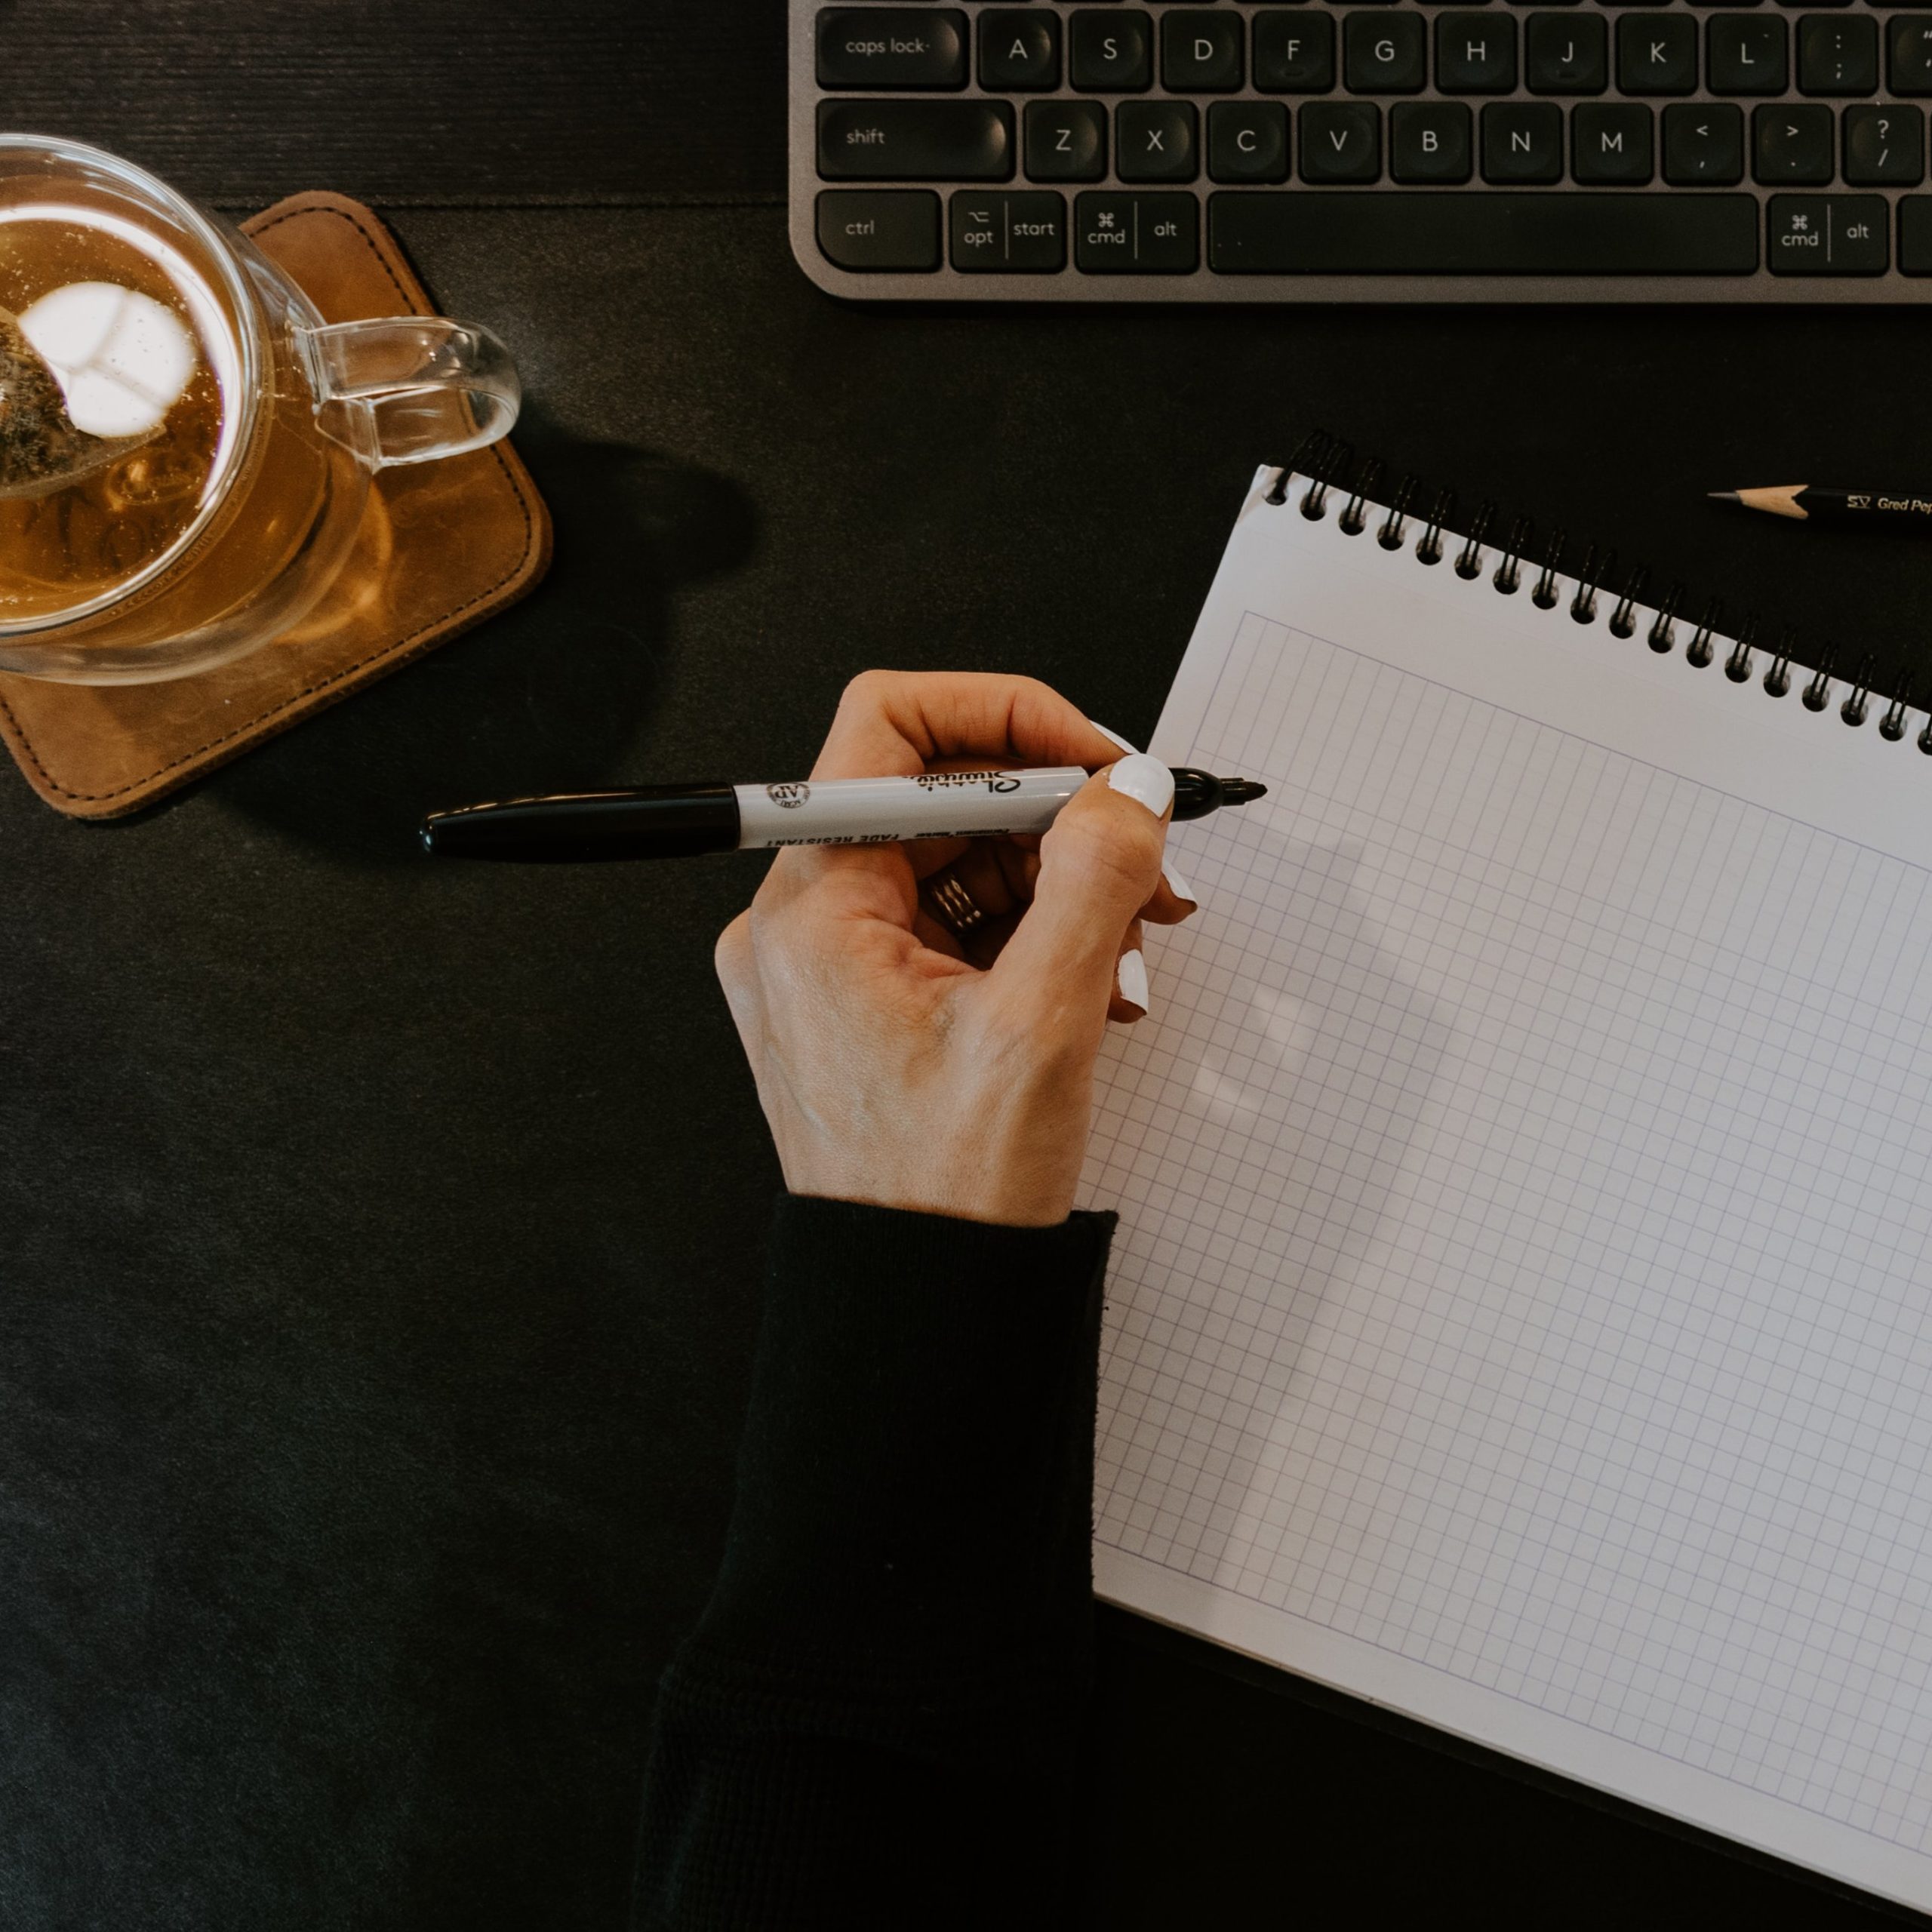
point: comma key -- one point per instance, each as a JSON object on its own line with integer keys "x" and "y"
{"x": 1136, "y": 234}
{"x": 1019, "y": 233}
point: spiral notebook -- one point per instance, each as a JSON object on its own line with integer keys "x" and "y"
{"x": 1521, "y": 1312}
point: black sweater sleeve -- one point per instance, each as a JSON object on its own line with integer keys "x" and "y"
{"x": 876, "y": 1719}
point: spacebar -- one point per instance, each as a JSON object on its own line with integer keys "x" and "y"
{"x": 1298, "y": 232}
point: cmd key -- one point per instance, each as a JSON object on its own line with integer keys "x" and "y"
{"x": 915, "y": 140}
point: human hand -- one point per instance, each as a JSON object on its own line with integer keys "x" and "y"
{"x": 898, "y": 1065}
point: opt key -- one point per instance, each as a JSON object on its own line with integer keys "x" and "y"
{"x": 1826, "y": 234}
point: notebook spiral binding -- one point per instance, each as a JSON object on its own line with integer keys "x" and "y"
{"x": 1325, "y": 464}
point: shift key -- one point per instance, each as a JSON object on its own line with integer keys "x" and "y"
{"x": 915, "y": 140}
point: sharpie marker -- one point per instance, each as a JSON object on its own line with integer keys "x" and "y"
{"x": 676, "y": 821}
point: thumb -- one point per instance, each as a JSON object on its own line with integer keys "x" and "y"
{"x": 1099, "y": 865}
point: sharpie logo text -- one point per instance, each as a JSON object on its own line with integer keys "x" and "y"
{"x": 953, "y": 781}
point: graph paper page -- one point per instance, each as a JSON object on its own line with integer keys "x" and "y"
{"x": 1521, "y": 1312}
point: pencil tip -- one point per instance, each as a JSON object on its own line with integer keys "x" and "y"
{"x": 1723, "y": 497}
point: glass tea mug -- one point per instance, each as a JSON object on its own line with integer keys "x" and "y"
{"x": 308, "y": 413}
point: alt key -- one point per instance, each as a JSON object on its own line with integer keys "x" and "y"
{"x": 1826, "y": 234}
{"x": 1136, "y": 234}
{"x": 1017, "y": 234}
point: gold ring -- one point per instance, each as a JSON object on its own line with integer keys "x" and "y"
{"x": 952, "y": 905}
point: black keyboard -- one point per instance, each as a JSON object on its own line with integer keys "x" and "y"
{"x": 1757, "y": 150}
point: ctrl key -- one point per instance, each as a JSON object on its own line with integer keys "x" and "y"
{"x": 872, "y": 229}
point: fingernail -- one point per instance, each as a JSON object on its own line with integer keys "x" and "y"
{"x": 1178, "y": 886}
{"x": 1144, "y": 779}
{"x": 1107, "y": 731}
{"x": 1130, "y": 976}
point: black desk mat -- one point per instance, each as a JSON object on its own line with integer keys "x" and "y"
{"x": 379, "y": 1243}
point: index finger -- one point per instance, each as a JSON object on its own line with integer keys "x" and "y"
{"x": 894, "y": 724}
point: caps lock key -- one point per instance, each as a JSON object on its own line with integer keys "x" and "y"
{"x": 891, "y": 46}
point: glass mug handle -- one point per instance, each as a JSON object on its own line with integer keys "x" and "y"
{"x": 414, "y": 387}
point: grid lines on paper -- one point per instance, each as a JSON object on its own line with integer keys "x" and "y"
{"x": 1524, "y": 1262}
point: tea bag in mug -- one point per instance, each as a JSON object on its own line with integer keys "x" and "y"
{"x": 112, "y": 358}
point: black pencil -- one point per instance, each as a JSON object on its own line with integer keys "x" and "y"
{"x": 1875, "y": 509}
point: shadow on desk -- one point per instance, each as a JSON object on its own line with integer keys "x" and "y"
{"x": 547, "y": 697}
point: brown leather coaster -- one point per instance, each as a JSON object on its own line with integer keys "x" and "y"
{"x": 442, "y": 546}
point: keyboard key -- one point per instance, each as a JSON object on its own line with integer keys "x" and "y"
{"x": 1341, "y": 140}
{"x": 1908, "y": 49}
{"x": 915, "y": 140}
{"x": 891, "y": 46}
{"x": 1475, "y": 52}
{"x": 1565, "y": 53}
{"x": 870, "y": 230}
{"x": 1703, "y": 145}
{"x": 1111, "y": 52}
{"x": 1522, "y": 140}
{"x": 1136, "y": 234}
{"x": 1826, "y": 234}
{"x": 1837, "y": 54}
{"x": 1011, "y": 234}
{"x": 1067, "y": 140}
{"x": 1884, "y": 147}
{"x": 1791, "y": 145}
{"x": 1200, "y": 51}
{"x": 1656, "y": 55}
{"x": 1916, "y": 234}
{"x": 1020, "y": 49}
{"x": 1610, "y": 143}
{"x": 1384, "y": 53}
{"x": 1747, "y": 55}
{"x": 1155, "y": 140}
{"x": 1428, "y": 140}
{"x": 1293, "y": 53}
{"x": 1247, "y": 140}
{"x": 1442, "y": 232}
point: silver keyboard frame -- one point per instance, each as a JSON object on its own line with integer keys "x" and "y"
{"x": 948, "y": 284}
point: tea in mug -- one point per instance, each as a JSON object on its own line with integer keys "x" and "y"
{"x": 115, "y": 362}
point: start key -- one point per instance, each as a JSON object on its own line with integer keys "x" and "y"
{"x": 1827, "y": 234}
{"x": 1022, "y": 234}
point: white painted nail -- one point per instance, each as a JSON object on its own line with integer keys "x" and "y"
{"x": 1178, "y": 886}
{"x": 1107, "y": 731}
{"x": 1130, "y": 976}
{"x": 1144, "y": 779}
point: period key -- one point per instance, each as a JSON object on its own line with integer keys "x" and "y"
{"x": 1827, "y": 234}
{"x": 1018, "y": 234}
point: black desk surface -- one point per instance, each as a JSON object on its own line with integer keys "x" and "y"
{"x": 379, "y": 1243}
